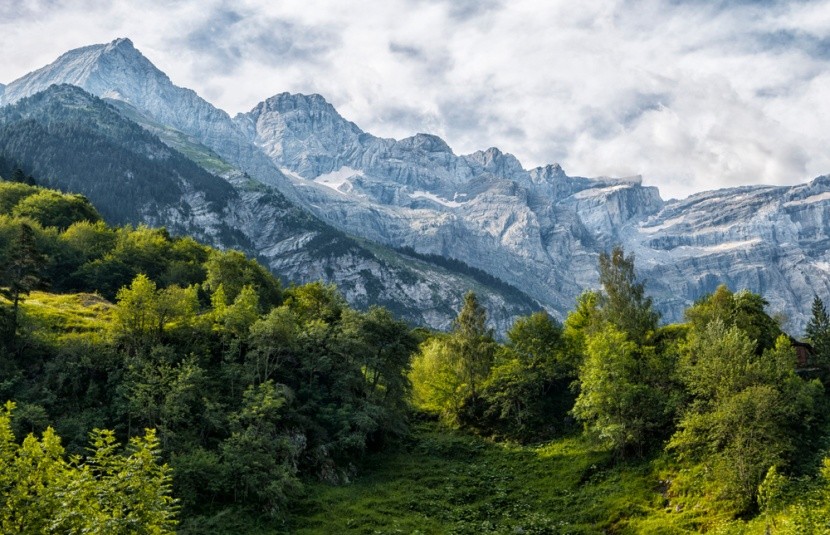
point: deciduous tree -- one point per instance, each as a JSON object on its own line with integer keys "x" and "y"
{"x": 746, "y": 411}
{"x": 108, "y": 492}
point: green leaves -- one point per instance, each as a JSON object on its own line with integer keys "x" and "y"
{"x": 619, "y": 398}
{"x": 53, "y": 209}
{"x": 261, "y": 454}
{"x": 448, "y": 370}
{"x": 625, "y": 389}
{"x": 740, "y": 420}
{"x": 623, "y": 302}
{"x": 436, "y": 384}
{"x": 233, "y": 271}
{"x": 21, "y": 270}
{"x": 109, "y": 492}
{"x": 472, "y": 343}
{"x": 247, "y": 390}
{"x": 818, "y": 334}
{"x": 744, "y": 310}
{"x": 144, "y": 312}
{"x": 718, "y": 361}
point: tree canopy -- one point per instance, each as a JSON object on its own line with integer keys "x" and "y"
{"x": 232, "y": 392}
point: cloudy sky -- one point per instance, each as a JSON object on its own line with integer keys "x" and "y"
{"x": 691, "y": 94}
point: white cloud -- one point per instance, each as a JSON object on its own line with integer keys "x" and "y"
{"x": 691, "y": 94}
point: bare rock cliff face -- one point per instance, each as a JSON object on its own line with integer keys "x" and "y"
{"x": 539, "y": 230}
{"x": 223, "y": 206}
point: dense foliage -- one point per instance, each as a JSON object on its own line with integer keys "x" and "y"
{"x": 41, "y": 491}
{"x": 252, "y": 392}
{"x": 720, "y": 393}
{"x": 626, "y": 394}
{"x": 250, "y": 388}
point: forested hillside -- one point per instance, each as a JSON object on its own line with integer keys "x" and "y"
{"x": 250, "y": 387}
{"x": 252, "y": 407}
{"x": 68, "y": 138}
{"x": 137, "y": 171}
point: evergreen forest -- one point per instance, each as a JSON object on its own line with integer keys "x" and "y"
{"x": 152, "y": 384}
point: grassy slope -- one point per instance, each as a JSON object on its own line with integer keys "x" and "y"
{"x": 445, "y": 481}
{"x": 58, "y": 317}
{"x": 449, "y": 482}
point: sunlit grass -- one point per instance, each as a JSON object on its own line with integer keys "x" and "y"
{"x": 57, "y": 317}
{"x": 446, "y": 481}
{"x": 449, "y": 482}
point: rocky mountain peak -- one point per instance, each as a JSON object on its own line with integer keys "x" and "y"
{"x": 123, "y": 44}
{"x": 490, "y": 155}
{"x": 116, "y": 68}
{"x": 122, "y": 56}
{"x": 306, "y": 116}
{"x": 497, "y": 163}
{"x": 822, "y": 181}
{"x": 547, "y": 174}
{"x": 425, "y": 143}
{"x": 118, "y": 71}
{"x": 303, "y": 132}
{"x": 289, "y": 102}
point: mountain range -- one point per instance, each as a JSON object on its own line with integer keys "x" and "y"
{"x": 404, "y": 223}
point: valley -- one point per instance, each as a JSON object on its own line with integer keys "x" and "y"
{"x": 277, "y": 322}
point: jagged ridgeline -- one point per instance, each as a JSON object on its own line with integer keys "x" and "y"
{"x": 539, "y": 229}
{"x": 135, "y": 174}
{"x": 250, "y": 387}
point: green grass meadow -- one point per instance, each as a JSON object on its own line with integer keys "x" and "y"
{"x": 446, "y": 481}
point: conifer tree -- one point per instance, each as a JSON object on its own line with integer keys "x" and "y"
{"x": 623, "y": 302}
{"x": 21, "y": 271}
{"x": 625, "y": 395}
{"x": 473, "y": 342}
{"x": 818, "y": 333}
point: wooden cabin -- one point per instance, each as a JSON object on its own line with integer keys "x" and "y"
{"x": 803, "y": 354}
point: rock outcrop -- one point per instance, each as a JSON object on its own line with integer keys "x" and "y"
{"x": 58, "y": 134}
{"x": 539, "y": 230}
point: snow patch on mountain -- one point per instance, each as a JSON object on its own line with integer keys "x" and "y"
{"x": 339, "y": 180}
{"x": 297, "y": 179}
{"x": 538, "y": 229}
{"x": 597, "y": 192}
{"x": 809, "y": 200}
{"x": 435, "y": 198}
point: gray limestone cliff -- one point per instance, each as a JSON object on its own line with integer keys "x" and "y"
{"x": 539, "y": 229}
{"x": 144, "y": 177}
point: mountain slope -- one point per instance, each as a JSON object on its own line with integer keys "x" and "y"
{"x": 537, "y": 229}
{"x": 81, "y": 143}
{"x": 141, "y": 174}
{"x": 118, "y": 71}
{"x": 771, "y": 240}
{"x": 542, "y": 229}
